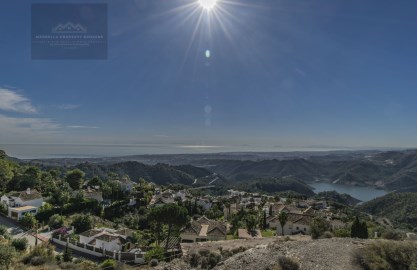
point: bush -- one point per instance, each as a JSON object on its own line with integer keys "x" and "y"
{"x": 20, "y": 244}
{"x": 226, "y": 253}
{"x": 204, "y": 252}
{"x": 318, "y": 227}
{"x": 287, "y": 263}
{"x": 341, "y": 232}
{"x": 56, "y": 221}
{"x": 7, "y": 254}
{"x": 204, "y": 263}
{"x": 238, "y": 250}
{"x": 82, "y": 223}
{"x": 213, "y": 259}
{"x": 4, "y": 232}
{"x": 108, "y": 264}
{"x": 194, "y": 258}
{"x": 37, "y": 260}
{"x": 327, "y": 234}
{"x": 387, "y": 255}
{"x": 156, "y": 253}
{"x": 391, "y": 235}
{"x": 46, "y": 251}
{"x": 28, "y": 221}
{"x": 154, "y": 262}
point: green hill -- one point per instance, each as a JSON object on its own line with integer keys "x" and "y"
{"x": 400, "y": 208}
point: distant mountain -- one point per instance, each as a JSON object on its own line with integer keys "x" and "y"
{"x": 237, "y": 170}
{"x": 160, "y": 173}
{"x": 400, "y": 208}
{"x": 392, "y": 170}
{"x": 274, "y": 185}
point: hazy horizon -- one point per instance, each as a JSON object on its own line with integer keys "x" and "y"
{"x": 45, "y": 151}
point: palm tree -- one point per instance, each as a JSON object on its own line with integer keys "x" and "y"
{"x": 282, "y": 217}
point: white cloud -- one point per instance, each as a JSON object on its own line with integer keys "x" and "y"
{"x": 68, "y": 106}
{"x": 13, "y": 101}
{"x": 82, "y": 126}
{"x": 28, "y": 126}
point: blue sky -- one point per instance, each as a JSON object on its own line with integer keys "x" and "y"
{"x": 281, "y": 74}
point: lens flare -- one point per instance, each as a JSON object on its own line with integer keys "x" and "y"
{"x": 207, "y": 4}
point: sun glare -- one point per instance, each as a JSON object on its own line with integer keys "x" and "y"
{"x": 207, "y": 4}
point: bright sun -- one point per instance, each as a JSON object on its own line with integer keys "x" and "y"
{"x": 207, "y": 4}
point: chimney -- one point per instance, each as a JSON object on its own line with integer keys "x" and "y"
{"x": 28, "y": 191}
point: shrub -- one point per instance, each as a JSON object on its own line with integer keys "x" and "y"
{"x": 37, "y": 260}
{"x": 28, "y": 221}
{"x": 56, "y": 221}
{"x": 156, "y": 253}
{"x": 154, "y": 262}
{"x": 45, "y": 251}
{"x": 341, "y": 232}
{"x": 194, "y": 258}
{"x": 238, "y": 250}
{"x": 226, "y": 253}
{"x": 387, "y": 255}
{"x": 391, "y": 235}
{"x": 327, "y": 234}
{"x": 204, "y": 252}
{"x": 108, "y": 264}
{"x": 82, "y": 223}
{"x": 213, "y": 259}
{"x": 318, "y": 227}
{"x": 20, "y": 244}
{"x": 287, "y": 263}
{"x": 7, "y": 254}
{"x": 204, "y": 263}
{"x": 4, "y": 232}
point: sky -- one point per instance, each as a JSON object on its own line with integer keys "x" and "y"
{"x": 258, "y": 75}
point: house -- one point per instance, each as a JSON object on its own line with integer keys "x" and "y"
{"x": 204, "y": 229}
{"x": 19, "y": 212}
{"x": 245, "y": 234}
{"x": 296, "y": 223}
{"x": 125, "y": 184}
{"x": 23, "y": 198}
{"x": 161, "y": 199}
{"x": 108, "y": 239}
{"x": 20, "y": 203}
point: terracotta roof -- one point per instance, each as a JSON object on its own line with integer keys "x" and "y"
{"x": 25, "y": 196}
{"x": 204, "y": 227}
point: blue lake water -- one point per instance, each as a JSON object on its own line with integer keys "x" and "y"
{"x": 362, "y": 193}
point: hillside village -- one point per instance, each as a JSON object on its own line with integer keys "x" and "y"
{"x": 129, "y": 223}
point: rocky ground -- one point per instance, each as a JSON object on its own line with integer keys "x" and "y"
{"x": 263, "y": 254}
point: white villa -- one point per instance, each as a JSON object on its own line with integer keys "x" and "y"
{"x": 105, "y": 238}
{"x": 23, "y": 202}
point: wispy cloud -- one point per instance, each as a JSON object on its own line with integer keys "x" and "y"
{"x": 160, "y": 136}
{"x": 27, "y": 125}
{"x": 68, "y": 106}
{"x": 11, "y": 100}
{"x": 79, "y": 126}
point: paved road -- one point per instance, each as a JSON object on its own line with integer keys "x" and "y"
{"x": 16, "y": 231}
